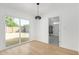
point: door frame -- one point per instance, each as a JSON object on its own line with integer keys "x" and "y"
{"x": 59, "y": 29}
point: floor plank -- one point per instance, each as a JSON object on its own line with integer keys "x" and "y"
{"x": 38, "y": 48}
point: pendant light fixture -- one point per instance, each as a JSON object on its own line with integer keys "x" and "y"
{"x": 37, "y": 17}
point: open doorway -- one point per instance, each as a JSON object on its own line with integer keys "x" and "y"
{"x": 16, "y": 30}
{"x": 54, "y": 30}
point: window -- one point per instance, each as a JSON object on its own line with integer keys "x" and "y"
{"x": 17, "y": 30}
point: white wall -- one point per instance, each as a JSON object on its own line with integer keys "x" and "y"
{"x": 69, "y": 29}
{"x": 41, "y": 30}
{"x": 69, "y": 25}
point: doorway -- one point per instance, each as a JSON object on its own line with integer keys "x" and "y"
{"x": 16, "y": 30}
{"x": 54, "y": 30}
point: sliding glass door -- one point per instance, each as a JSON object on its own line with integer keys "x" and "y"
{"x": 24, "y": 30}
{"x": 16, "y": 30}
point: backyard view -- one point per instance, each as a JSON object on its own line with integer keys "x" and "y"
{"x": 17, "y": 30}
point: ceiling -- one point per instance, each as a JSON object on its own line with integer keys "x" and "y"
{"x": 45, "y": 8}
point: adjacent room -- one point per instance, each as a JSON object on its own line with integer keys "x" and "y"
{"x": 39, "y": 29}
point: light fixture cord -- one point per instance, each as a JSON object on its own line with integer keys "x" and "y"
{"x": 38, "y": 10}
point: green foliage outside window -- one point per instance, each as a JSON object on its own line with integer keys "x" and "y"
{"x": 9, "y": 22}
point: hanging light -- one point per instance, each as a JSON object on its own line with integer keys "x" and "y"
{"x": 37, "y": 17}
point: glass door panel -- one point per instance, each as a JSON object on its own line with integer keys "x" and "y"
{"x": 16, "y": 30}
{"x": 24, "y": 30}
{"x": 12, "y": 31}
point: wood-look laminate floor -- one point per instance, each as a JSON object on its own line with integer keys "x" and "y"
{"x": 37, "y": 48}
